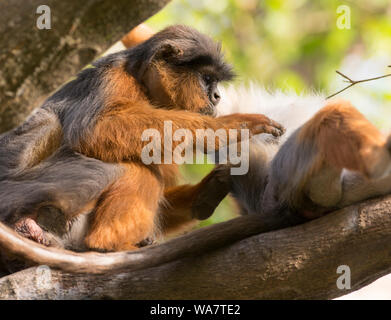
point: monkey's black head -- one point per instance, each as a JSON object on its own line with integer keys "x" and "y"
{"x": 180, "y": 68}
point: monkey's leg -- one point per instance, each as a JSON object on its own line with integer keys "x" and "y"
{"x": 305, "y": 174}
{"x": 186, "y": 203}
{"x": 50, "y": 203}
{"x": 66, "y": 181}
{"x": 126, "y": 213}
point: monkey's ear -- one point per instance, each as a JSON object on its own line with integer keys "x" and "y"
{"x": 168, "y": 50}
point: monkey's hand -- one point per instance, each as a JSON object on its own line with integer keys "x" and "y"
{"x": 255, "y": 123}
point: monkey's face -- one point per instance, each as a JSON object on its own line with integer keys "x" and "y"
{"x": 183, "y": 70}
{"x": 181, "y": 88}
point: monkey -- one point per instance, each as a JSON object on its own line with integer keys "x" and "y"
{"x": 330, "y": 157}
{"x": 72, "y": 175}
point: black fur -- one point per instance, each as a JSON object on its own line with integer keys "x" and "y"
{"x": 194, "y": 51}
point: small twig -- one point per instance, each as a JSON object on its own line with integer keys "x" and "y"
{"x": 353, "y": 82}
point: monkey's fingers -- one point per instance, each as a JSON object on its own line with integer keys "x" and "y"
{"x": 272, "y": 128}
{"x": 259, "y": 123}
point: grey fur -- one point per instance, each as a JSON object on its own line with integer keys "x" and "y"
{"x": 67, "y": 181}
{"x": 281, "y": 186}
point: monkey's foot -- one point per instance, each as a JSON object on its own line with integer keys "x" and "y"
{"x": 29, "y": 229}
{"x": 146, "y": 242}
{"x": 215, "y": 187}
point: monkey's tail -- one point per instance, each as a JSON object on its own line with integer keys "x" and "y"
{"x": 191, "y": 244}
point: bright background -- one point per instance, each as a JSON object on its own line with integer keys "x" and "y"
{"x": 296, "y": 44}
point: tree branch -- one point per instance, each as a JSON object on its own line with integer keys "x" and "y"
{"x": 294, "y": 263}
{"x": 354, "y": 82}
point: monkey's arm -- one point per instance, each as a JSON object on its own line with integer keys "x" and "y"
{"x": 117, "y": 135}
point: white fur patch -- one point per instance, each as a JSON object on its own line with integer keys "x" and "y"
{"x": 287, "y": 108}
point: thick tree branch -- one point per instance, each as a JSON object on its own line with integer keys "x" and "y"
{"x": 35, "y": 62}
{"x": 294, "y": 263}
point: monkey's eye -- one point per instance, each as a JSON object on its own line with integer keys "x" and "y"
{"x": 207, "y": 79}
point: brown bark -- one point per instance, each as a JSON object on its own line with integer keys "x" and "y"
{"x": 294, "y": 263}
{"x": 35, "y": 62}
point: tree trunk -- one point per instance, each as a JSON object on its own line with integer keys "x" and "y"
{"x": 294, "y": 263}
{"x": 35, "y": 62}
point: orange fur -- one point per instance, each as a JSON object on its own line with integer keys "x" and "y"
{"x": 169, "y": 174}
{"x": 119, "y": 85}
{"x": 134, "y": 208}
{"x": 190, "y": 93}
{"x": 126, "y": 213}
{"x": 137, "y": 35}
{"x": 176, "y": 210}
{"x": 343, "y": 136}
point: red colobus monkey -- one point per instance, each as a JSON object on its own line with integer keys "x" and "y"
{"x": 331, "y": 156}
{"x": 72, "y": 174}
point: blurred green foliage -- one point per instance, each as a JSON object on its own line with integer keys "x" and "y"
{"x": 295, "y": 44}
{"x": 286, "y": 43}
